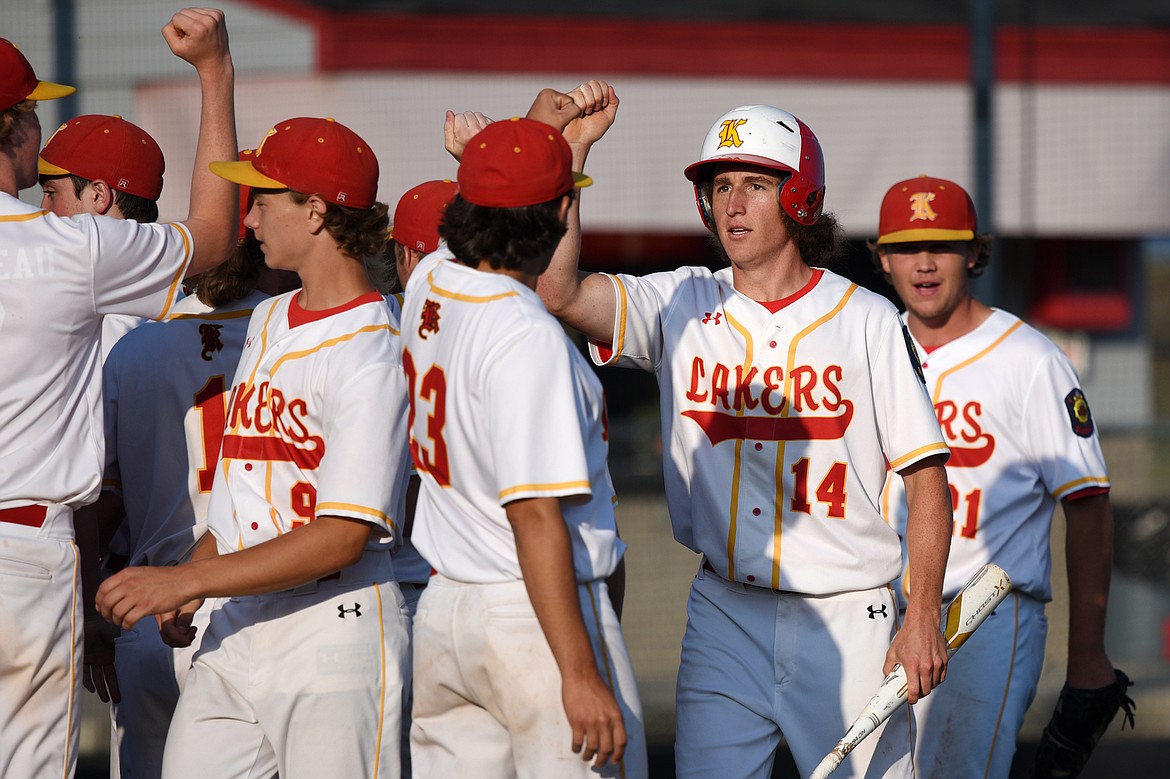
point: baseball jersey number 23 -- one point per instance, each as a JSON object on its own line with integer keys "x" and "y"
{"x": 432, "y": 389}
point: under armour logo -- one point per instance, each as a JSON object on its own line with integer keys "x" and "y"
{"x": 874, "y": 612}
{"x": 709, "y": 317}
{"x": 356, "y": 610}
{"x": 429, "y": 321}
{"x": 920, "y": 207}
{"x": 729, "y": 133}
{"x": 209, "y": 335}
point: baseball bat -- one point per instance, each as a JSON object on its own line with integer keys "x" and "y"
{"x": 962, "y": 616}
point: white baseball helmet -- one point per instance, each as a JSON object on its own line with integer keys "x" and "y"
{"x": 771, "y": 138}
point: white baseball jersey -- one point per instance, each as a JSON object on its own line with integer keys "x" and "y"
{"x": 164, "y": 427}
{"x": 58, "y": 277}
{"x": 315, "y": 424}
{"x": 778, "y": 426}
{"x": 1021, "y": 438}
{"x": 503, "y": 408}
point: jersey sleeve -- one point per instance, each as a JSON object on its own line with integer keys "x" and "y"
{"x": 138, "y": 268}
{"x": 1062, "y": 436}
{"x": 364, "y": 471}
{"x": 907, "y": 425}
{"x": 637, "y": 326}
{"x": 536, "y": 439}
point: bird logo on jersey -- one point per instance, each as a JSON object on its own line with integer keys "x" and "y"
{"x": 429, "y": 319}
{"x": 1078, "y": 413}
{"x": 212, "y": 343}
{"x": 920, "y": 207}
{"x": 729, "y": 133}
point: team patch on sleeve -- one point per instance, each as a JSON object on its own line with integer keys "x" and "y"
{"x": 1078, "y": 413}
{"x": 913, "y": 352}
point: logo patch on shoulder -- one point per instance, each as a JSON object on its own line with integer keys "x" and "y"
{"x": 1078, "y": 413}
{"x": 913, "y": 352}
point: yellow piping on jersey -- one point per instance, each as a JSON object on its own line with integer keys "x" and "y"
{"x": 1096, "y": 481}
{"x": 778, "y": 533}
{"x": 920, "y": 452}
{"x": 321, "y": 509}
{"x": 749, "y": 353}
{"x": 23, "y": 217}
{"x": 330, "y": 343}
{"x": 173, "y": 291}
{"x": 263, "y": 347}
{"x": 212, "y": 316}
{"x": 619, "y": 338}
{"x": 564, "y": 485}
{"x": 464, "y": 298}
{"x": 273, "y": 514}
{"x": 942, "y": 376}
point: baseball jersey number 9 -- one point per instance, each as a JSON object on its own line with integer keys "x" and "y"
{"x": 212, "y": 407}
{"x": 434, "y": 389}
{"x": 303, "y": 498}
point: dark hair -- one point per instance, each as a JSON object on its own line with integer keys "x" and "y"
{"x": 359, "y": 232}
{"x": 232, "y": 279}
{"x": 133, "y": 207}
{"x": 522, "y": 238}
{"x": 819, "y": 243}
{"x": 982, "y": 241}
{"x": 383, "y": 268}
{"x": 11, "y": 117}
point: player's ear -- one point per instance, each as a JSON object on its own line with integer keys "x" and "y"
{"x": 316, "y": 215}
{"x": 101, "y": 195}
{"x": 884, "y": 256}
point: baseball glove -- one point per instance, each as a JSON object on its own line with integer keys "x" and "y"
{"x": 1080, "y": 718}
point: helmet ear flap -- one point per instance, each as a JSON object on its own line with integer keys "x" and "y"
{"x": 703, "y": 201}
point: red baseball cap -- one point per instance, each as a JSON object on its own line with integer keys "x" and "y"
{"x": 18, "y": 82}
{"x": 926, "y": 209}
{"x": 107, "y": 148}
{"x": 518, "y": 162}
{"x": 419, "y": 212}
{"x": 311, "y": 156}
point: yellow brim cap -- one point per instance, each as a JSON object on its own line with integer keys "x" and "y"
{"x": 47, "y": 90}
{"x": 245, "y": 173}
{"x": 581, "y": 180}
{"x": 49, "y": 169}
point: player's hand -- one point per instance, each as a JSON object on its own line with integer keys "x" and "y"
{"x": 98, "y": 674}
{"x": 458, "y": 129}
{"x": 142, "y": 591}
{"x": 920, "y": 649}
{"x": 598, "y": 103}
{"x": 554, "y": 108}
{"x": 199, "y": 36}
{"x": 598, "y": 731}
{"x": 175, "y": 627}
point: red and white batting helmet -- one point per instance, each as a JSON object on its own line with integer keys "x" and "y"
{"x": 770, "y": 138}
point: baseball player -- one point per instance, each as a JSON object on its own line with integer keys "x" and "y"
{"x": 1022, "y": 438}
{"x": 163, "y": 434}
{"x": 785, "y": 390}
{"x": 98, "y": 164}
{"x": 59, "y": 278}
{"x": 302, "y": 664}
{"x": 515, "y": 511}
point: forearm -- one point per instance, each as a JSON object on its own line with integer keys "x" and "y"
{"x": 305, "y": 554}
{"x": 546, "y": 562}
{"x": 1089, "y": 558}
{"x": 928, "y": 537}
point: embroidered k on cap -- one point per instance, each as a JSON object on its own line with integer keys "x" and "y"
{"x": 109, "y": 148}
{"x": 18, "y": 82}
{"x": 517, "y": 162}
{"x": 926, "y": 209}
{"x": 311, "y": 156}
{"x": 419, "y": 212}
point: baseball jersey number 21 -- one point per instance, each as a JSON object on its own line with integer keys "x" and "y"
{"x": 971, "y": 518}
{"x": 432, "y": 389}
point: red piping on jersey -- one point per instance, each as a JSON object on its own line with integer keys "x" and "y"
{"x": 776, "y": 305}
{"x": 721, "y": 427}
{"x": 1087, "y": 492}
{"x": 300, "y": 316}
{"x": 238, "y": 447}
